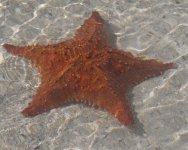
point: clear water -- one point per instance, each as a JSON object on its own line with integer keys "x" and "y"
{"x": 150, "y": 28}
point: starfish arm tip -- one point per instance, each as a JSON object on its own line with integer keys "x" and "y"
{"x": 8, "y": 47}
{"x": 96, "y": 16}
{"x": 171, "y": 65}
{"x": 125, "y": 117}
{"x": 29, "y": 112}
{"x": 15, "y": 50}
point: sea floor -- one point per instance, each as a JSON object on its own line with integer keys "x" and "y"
{"x": 151, "y": 28}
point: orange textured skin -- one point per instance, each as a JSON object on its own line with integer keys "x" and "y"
{"x": 86, "y": 69}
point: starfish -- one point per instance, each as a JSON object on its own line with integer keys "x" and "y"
{"x": 86, "y": 69}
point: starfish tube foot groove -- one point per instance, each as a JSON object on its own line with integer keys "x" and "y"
{"x": 86, "y": 69}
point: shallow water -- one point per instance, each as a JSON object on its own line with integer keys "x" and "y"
{"x": 154, "y": 29}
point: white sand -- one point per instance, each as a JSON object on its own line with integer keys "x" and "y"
{"x": 1, "y": 58}
{"x": 156, "y": 29}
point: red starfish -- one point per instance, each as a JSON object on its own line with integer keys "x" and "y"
{"x": 86, "y": 69}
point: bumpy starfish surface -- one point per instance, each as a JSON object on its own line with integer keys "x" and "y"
{"x": 86, "y": 69}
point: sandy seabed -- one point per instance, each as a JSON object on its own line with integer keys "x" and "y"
{"x": 154, "y": 29}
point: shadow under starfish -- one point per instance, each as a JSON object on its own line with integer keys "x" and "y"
{"x": 87, "y": 69}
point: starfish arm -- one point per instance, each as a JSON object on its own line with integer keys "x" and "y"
{"x": 145, "y": 69}
{"x": 22, "y": 51}
{"x": 133, "y": 70}
{"x": 31, "y": 51}
{"x": 61, "y": 91}
{"x": 45, "y": 100}
{"x": 39, "y": 55}
{"x": 117, "y": 105}
{"x": 40, "y": 102}
{"x": 102, "y": 91}
{"x": 92, "y": 33}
